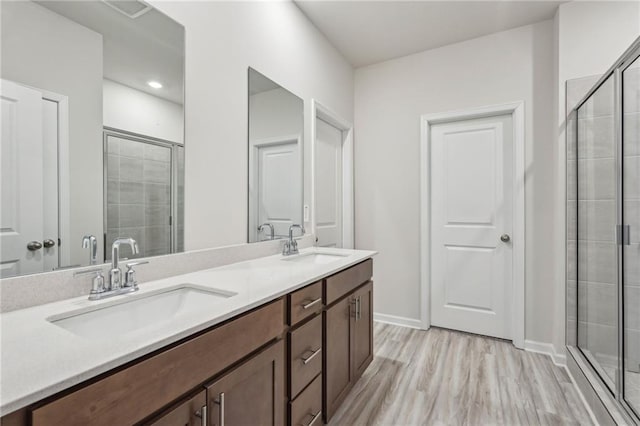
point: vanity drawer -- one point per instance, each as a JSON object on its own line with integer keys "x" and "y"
{"x": 306, "y": 409}
{"x": 305, "y": 354}
{"x": 343, "y": 282}
{"x": 305, "y": 302}
{"x": 133, "y": 393}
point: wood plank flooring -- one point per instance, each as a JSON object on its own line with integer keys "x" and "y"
{"x": 443, "y": 377}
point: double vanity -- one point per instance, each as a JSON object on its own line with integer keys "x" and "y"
{"x": 275, "y": 340}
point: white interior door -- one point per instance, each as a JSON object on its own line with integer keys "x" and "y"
{"x": 279, "y": 186}
{"x": 21, "y": 210}
{"x": 471, "y": 214}
{"x": 328, "y": 185}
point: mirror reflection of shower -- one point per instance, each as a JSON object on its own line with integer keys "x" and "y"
{"x": 144, "y": 193}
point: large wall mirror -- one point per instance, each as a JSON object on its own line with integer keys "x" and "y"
{"x": 92, "y": 125}
{"x": 276, "y": 178}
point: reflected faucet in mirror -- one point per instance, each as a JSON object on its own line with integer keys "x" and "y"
{"x": 91, "y": 242}
{"x": 272, "y": 234}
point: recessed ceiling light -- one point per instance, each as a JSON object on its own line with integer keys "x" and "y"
{"x": 154, "y": 84}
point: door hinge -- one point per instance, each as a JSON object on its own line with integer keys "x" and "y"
{"x": 623, "y": 235}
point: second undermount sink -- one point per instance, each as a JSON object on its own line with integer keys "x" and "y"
{"x": 135, "y": 313}
{"x": 316, "y": 258}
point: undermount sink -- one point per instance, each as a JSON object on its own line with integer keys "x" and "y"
{"x": 139, "y": 312}
{"x": 315, "y": 258}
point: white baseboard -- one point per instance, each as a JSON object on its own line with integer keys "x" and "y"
{"x": 559, "y": 359}
{"x": 395, "y": 320}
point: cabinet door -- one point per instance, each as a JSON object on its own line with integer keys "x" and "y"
{"x": 362, "y": 330}
{"x": 187, "y": 413}
{"x": 252, "y": 393}
{"x": 337, "y": 367}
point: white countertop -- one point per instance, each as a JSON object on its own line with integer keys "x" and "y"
{"x": 39, "y": 358}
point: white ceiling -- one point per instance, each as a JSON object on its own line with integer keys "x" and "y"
{"x": 367, "y": 32}
{"x": 150, "y": 47}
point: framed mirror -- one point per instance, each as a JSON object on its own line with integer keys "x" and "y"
{"x": 276, "y": 159}
{"x": 92, "y": 144}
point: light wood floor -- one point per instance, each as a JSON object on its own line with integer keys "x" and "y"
{"x": 443, "y": 377}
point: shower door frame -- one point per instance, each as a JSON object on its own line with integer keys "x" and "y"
{"x": 173, "y": 185}
{"x": 615, "y": 72}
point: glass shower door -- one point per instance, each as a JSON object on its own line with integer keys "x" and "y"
{"x": 631, "y": 244}
{"x": 597, "y": 218}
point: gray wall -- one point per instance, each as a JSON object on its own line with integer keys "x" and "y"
{"x": 510, "y": 66}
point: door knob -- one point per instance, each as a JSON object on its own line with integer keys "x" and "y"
{"x": 34, "y": 245}
{"x": 48, "y": 243}
{"x": 505, "y": 238}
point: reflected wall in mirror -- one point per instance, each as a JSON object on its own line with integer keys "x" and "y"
{"x": 276, "y": 183}
{"x": 92, "y": 132}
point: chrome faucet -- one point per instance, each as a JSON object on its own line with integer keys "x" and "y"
{"x": 115, "y": 274}
{"x": 114, "y": 286}
{"x": 267, "y": 224}
{"x": 91, "y": 242}
{"x": 291, "y": 246}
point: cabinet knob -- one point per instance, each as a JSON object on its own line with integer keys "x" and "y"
{"x": 48, "y": 243}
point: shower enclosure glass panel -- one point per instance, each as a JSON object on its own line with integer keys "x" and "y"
{"x": 631, "y": 217}
{"x": 596, "y": 225}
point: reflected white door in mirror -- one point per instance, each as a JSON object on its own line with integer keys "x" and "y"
{"x": 32, "y": 122}
{"x": 276, "y": 146}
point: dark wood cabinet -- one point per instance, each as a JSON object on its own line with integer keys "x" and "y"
{"x": 337, "y": 320}
{"x": 250, "y": 370}
{"x": 252, "y": 393}
{"x": 305, "y": 360}
{"x": 348, "y": 343}
{"x": 362, "y": 330}
{"x": 188, "y": 412}
{"x": 306, "y": 409}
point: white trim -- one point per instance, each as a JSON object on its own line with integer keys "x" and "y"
{"x": 348, "y": 212}
{"x": 516, "y": 110}
{"x": 399, "y": 321}
{"x": 558, "y": 359}
{"x": 64, "y": 196}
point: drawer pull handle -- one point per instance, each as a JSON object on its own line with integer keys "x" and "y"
{"x": 315, "y": 417}
{"x": 220, "y": 402}
{"x": 307, "y": 360}
{"x": 313, "y": 302}
{"x": 202, "y": 414}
